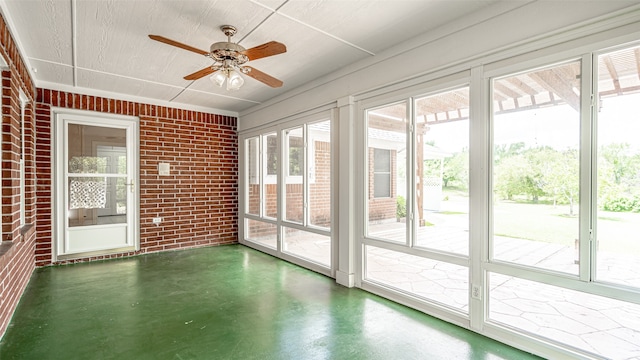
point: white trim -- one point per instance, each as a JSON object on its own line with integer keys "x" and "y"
{"x": 479, "y": 192}
{"x": 59, "y": 118}
{"x": 24, "y": 100}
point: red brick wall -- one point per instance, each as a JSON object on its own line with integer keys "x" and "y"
{"x": 320, "y": 189}
{"x": 17, "y": 248}
{"x": 198, "y": 201}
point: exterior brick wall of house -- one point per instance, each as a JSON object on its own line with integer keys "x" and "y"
{"x": 320, "y": 188}
{"x": 18, "y": 242}
{"x": 198, "y": 202}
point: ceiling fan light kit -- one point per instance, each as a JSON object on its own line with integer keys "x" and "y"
{"x": 229, "y": 59}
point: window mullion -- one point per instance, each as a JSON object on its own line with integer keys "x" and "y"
{"x": 586, "y": 255}
{"x": 411, "y": 180}
{"x": 305, "y": 176}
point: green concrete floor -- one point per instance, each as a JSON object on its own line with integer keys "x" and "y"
{"x": 228, "y": 302}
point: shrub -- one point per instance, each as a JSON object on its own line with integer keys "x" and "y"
{"x": 401, "y": 207}
{"x": 621, "y": 203}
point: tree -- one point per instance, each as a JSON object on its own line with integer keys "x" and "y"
{"x": 508, "y": 180}
{"x": 617, "y": 157}
{"x": 504, "y": 151}
{"x": 563, "y": 177}
{"x": 456, "y": 169}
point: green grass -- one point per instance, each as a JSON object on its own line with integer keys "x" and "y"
{"x": 545, "y": 222}
{"x": 609, "y": 218}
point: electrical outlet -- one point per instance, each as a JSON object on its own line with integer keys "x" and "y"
{"x": 476, "y": 292}
{"x": 157, "y": 220}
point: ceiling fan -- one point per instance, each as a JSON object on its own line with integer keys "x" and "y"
{"x": 229, "y": 60}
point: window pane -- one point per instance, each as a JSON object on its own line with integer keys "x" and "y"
{"x": 320, "y": 174}
{"x": 271, "y": 143}
{"x": 311, "y": 246}
{"x": 261, "y": 232}
{"x": 386, "y": 192}
{"x": 252, "y": 181}
{"x": 536, "y": 130}
{"x": 270, "y": 180}
{"x": 442, "y": 161}
{"x": 447, "y": 284}
{"x": 604, "y": 326}
{"x": 294, "y": 190}
{"x": 95, "y": 149}
{"x": 618, "y": 168}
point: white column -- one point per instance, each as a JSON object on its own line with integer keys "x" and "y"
{"x": 344, "y": 196}
{"x": 479, "y": 185}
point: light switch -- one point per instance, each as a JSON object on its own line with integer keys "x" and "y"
{"x": 163, "y": 169}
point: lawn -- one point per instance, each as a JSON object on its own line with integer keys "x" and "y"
{"x": 617, "y": 231}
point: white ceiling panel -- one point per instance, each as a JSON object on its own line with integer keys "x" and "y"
{"x": 44, "y": 28}
{"x": 376, "y": 25}
{"x": 310, "y": 54}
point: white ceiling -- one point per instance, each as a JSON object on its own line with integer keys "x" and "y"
{"x": 102, "y": 46}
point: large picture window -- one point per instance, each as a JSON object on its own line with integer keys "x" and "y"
{"x": 618, "y": 168}
{"x": 536, "y": 167}
{"x": 566, "y": 186}
{"x": 418, "y": 229}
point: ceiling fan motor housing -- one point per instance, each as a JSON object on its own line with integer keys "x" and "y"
{"x": 222, "y": 51}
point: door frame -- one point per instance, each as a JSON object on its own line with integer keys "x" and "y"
{"x": 58, "y": 213}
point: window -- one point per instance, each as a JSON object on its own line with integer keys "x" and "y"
{"x": 566, "y": 195}
{"x": 252, "y": 181}
{"x": 296, "y": 156}
{"x": 536, "y": 167}
{"x": 381, "y": 173}
{"x": 302, "y": 227}
{"x": 295, "y": 164}
{"x": 417, "y": 234}
{"x": 442, "y": 161}
{"x": 23, "y": 207}
{"x": 618, "y": 168}
{"x": 271, "y": 145}
{"x": 386, "y": 161}
{"x": 308, "y": 192}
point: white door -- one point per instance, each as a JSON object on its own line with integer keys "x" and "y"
{"x": 96, "y": 173}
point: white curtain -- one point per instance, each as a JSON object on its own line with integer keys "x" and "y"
{"x": 87, "y": 194}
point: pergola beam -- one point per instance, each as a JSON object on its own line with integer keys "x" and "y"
{"x": 612, "y": 73}
{"x": 556, "y": 84}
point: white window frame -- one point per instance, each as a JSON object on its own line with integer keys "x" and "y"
{"x": 23, "y": 204}
{"x": 304, "y": 121}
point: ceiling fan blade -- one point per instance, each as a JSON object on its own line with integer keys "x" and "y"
{"x": 262, "y": 77}
{"x": 267, "y": 49}
{"x": 200, "y": 73}
{"x": 163, "y": 39}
